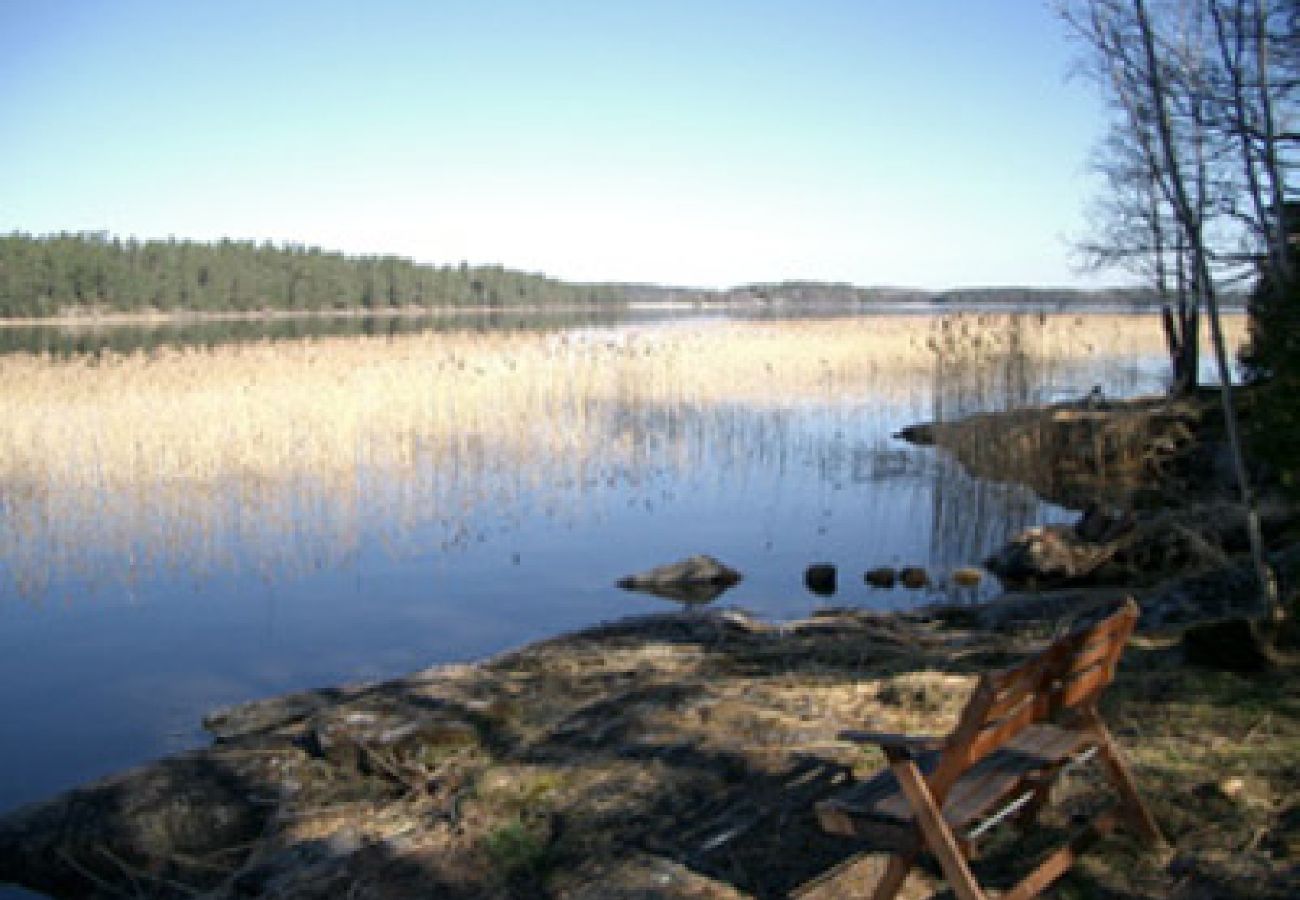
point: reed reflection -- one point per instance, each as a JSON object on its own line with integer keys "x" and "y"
{"x": 289, "y": 456}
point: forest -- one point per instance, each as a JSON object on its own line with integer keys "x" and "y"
{"x": 92, "y": 272}
{"x": 87, "y": 273}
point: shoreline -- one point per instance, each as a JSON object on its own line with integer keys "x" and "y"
{"x": 92, "y": 321}
{"x": 679, "y": 752}
{"x": 107, "y": 320}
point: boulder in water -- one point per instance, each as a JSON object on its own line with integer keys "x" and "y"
{"x": 914, "y": 577}
{"x": 881, "y": 577}
{"x": 695, "y": 580}
{"x": 820, "y": 579}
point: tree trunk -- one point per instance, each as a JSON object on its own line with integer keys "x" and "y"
{"x": 1191, "y": 223}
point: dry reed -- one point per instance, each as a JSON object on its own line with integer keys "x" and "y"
{"x": 193, "y": 456}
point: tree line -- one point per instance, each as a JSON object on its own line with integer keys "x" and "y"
{"x": 94, "y": 272}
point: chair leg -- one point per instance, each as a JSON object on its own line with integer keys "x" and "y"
{"x": 1135, "y": 807}
{"x": 935, "y": 831}
{"x": 900, "y": 864}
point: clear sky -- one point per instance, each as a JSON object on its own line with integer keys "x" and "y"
{"x": 931, "y": 143}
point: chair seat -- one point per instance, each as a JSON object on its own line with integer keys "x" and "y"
{"x": 877, "y": 808}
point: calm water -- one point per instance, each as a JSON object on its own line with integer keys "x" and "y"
{"x": 123, "y": 618}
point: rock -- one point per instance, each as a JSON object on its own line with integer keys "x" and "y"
{"x": 914, "y": 577}
{"x": 1232, "y": 787}
{"x": 1098, "y": 525}
{"x": 355, "y": 738}
{"x": 698, "y": 579}
{"x": 967, "y": 576}
{"x": 1047, "y": 553}
{"x": 881, "y": 577}
{"x": 820, "y": 578}
{"x": 921, "y": 434}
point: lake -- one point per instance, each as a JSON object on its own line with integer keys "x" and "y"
{"x": 191, "y": 520}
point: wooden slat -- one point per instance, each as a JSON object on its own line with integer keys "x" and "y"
{"x": 1113, "y": 629}
{"x": 996, "y": 734}
{"x": 975, "y": 712}
{"x": 1085, "y": 686}
{"x": 1107, "y": 633}
{"x": 1093, "y": 652}
{"x": 1005, "y": 679}
{"x": 1038, "y": 751}
{"x": 1025, "y": 681}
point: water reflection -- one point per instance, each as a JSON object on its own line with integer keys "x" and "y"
{"x": 75, "y": 337}
{"x": 209, "y": 524}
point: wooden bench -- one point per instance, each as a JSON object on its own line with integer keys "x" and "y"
{"x": 1020, "y": 729}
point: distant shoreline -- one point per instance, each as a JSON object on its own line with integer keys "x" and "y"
{"x": 158, "y": 317}
{"x": 1083, "y": 302}
{"x": 95, "y": 278}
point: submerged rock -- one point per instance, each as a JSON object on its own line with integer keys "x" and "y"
{"x": 881, "y": 577}
{"x": 820, "y": 578}
{"x": 695, "y": 580}
{"x": 967, "y": 576}
{"x": 914, "y": 577}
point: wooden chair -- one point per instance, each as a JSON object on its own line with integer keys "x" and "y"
{"x": 1020, "y": 729}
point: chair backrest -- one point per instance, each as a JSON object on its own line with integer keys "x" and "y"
{"x": 1068, "y": 674}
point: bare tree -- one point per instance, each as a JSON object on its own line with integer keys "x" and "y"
{"x": 1133, "y": 227}
{"x": 1201, "y": 120}
{"x": 1144, "y": 203}
{"x": 1259, "y": 73}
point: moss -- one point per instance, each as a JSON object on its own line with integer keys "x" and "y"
{"x": 518, "y": 849}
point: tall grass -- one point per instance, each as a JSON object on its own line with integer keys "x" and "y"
{"x": 278, "y": 455}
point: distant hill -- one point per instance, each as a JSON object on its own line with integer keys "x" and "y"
{"x": 1022, "y": 296}
{"x": 785, "y": 292}
{"x": 807, "y": 293}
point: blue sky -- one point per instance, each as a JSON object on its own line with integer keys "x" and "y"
{"x": 933, "y": 143}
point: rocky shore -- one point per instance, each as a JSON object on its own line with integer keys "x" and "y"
{"x": 680, "y": 755}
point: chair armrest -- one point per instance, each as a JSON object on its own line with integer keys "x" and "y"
{"x": 895, "y": 744}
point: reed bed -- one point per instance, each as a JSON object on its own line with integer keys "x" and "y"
{"x": 281, "y": 455}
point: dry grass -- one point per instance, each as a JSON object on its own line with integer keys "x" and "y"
{"x": 198, "y": 454}
{"x": 698, "y": 746}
